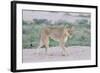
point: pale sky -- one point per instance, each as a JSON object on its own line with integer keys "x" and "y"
{"x": 29, "y": 15}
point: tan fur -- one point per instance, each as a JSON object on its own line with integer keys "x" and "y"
{"x": 59, "y": 34}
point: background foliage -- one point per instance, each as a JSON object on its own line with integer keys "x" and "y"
{"x": 31, "y": 32}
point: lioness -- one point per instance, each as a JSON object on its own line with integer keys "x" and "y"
{"x": 59, "y": 34}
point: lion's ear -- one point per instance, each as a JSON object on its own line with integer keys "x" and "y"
{"x": 72, "y": 28}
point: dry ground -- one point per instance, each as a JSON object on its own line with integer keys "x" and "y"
{"x": 55, "y": 54}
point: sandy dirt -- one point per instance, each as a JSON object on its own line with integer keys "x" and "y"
{"x": 55, "y": 54}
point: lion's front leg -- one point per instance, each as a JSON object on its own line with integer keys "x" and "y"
{"x": 46, "y": 44}
{"x": 64, "y": 51}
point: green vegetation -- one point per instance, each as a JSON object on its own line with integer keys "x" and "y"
{"x": 31, "y": 34}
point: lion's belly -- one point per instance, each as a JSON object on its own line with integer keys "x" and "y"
{"x": 58, "y": 37}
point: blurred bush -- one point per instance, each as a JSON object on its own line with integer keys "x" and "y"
{"x": 31, "y": 33}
